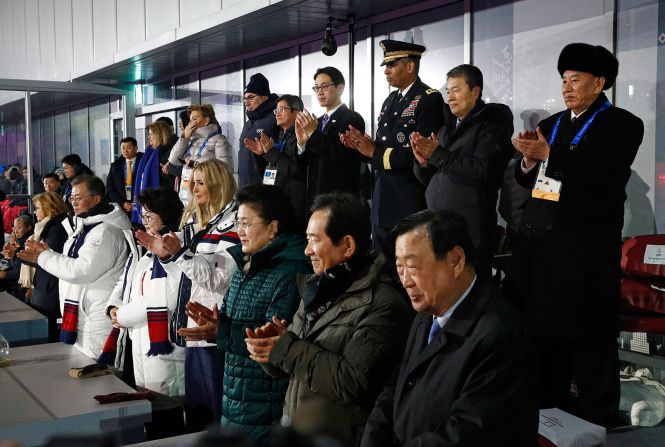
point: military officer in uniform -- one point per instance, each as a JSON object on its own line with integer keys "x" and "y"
{"x": 413, "y": 107}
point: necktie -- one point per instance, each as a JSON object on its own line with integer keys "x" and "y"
{"x": 324, "y": 121}
{"x": 573, "y": 119}
{"x": 433, "y": 330}
{"x": 457, "y": 123}
{"x": 399, "y": 97}
{"x": 128, "y": 177}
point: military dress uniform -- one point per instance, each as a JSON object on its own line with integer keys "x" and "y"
{"x": 397, "y": 192}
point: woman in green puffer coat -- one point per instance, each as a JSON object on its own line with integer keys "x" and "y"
{"x": 269, "y": 258}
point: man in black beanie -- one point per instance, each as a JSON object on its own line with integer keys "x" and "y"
{"x": 259, "y": 104}
{"x": 568, "y": 249}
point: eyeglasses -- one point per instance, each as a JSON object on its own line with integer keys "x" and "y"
{"x": 147, "y": 218}
{"x": 281, "y": 110}
{"x": 250, "y": 98}
{"x": 245, "y": 224}
{"x": 316, "y": 88}
{"x": 76, "y": 199}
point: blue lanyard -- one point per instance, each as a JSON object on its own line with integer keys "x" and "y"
{"x": 582, "y": 131}
{"x": 191, "y": 143}
{"x": 280, "y": 146}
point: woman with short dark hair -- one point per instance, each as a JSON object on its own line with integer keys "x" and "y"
{"x": 144, "y": 300}
{"x": 269, "y": 258}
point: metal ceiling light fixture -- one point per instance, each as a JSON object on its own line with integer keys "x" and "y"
{"x": 329, "y": 46}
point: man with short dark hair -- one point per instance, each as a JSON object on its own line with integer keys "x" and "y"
{"x": 462, "y": 168}
{"x": 467, "y": 376}
{"x": 120, "y": 180}
{"x": 286, "y": 167}
{"x": 413, "y": 107}
{"x": 51, "y": 183}
{"x": 568, "y": 250}
{"x": 72, "y": 167}
{"x": 346, "y": 338}
{"x": 259, "y": 106}
{"x": 91, "y": 262}
{"x": 331, "y": 166}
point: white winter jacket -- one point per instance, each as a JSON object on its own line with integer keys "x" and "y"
{"x": 217, "y": 146}
{"x": 92, "y": 275}
{"x": 162, "y": 373}
{"x": 210, "y": 267}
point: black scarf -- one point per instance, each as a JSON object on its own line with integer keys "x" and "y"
{"x": 264, "y": 109}
{"x": 321, "y": 292}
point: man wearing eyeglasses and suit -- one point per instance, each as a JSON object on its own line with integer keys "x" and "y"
{"x": 331, "y": 165}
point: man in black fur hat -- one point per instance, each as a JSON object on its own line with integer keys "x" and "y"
{"x": 568, "y": 250}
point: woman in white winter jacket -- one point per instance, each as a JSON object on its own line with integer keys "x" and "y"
{"x": 201, "y": 140}
{"x": 198, "y": 251}
{"x": 144, "y": 299}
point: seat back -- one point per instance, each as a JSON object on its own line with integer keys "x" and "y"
{"x": 644, "y": 256}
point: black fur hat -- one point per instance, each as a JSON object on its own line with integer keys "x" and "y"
{"x": 597, "y": 60}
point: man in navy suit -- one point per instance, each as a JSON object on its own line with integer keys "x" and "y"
{"x": 332, "y": 167}
{"x": 467, "y": 375}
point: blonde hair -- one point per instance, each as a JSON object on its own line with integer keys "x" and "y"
{"x": 51, "y": 203}
{"x": 204, "y": 109}
{"x": 218, "y": 178}
{"x": 160, "y": 132}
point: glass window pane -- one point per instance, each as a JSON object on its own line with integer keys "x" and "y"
{"x": 639, "y": 88}
{"x": 280, "y": 68}
{"x": 36, "y": 138}
{"x": 362, "y": 89}
{"x": 157, "y": 93}
{"x": 20, "y": 142}
{"x": 517, "y": 47}
{"x": 79, "y": 133}
{"x": 3, "y": 143}
{"x": 100, "y": 138}
{"x": 223, "y": 89}
{"x": 11, "y": 143}
{"x": 62, "y": 141}
{"x": 187, "y": 88}
{"x": 47, "y": 144}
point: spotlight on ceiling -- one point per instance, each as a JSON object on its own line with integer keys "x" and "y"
{"x": 329, "y": 46}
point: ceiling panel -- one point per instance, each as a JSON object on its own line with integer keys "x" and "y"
{"x": 285, "y": 21}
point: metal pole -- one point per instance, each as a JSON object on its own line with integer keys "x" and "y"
{"x": 352, "y": 51}
{"x": 28, "y": 145}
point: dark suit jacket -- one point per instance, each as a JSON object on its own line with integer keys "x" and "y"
{"x": 474, "y": 385}
{"x": 332, "y": 166}
{"x": 291, "y": 171}
{"x": 465, "y": 171}
{"x": 397, "y": 192}
{"x": 115, "y": 182}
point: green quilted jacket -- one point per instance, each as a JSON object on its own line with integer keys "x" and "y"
{"x": 252, "y": 400}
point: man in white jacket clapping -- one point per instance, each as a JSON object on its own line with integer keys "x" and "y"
{"x": 91, "y": 262}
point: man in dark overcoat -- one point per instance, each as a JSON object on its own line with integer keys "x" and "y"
{"x": 467, "y": 374}
{"x": 568, "y": 249}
